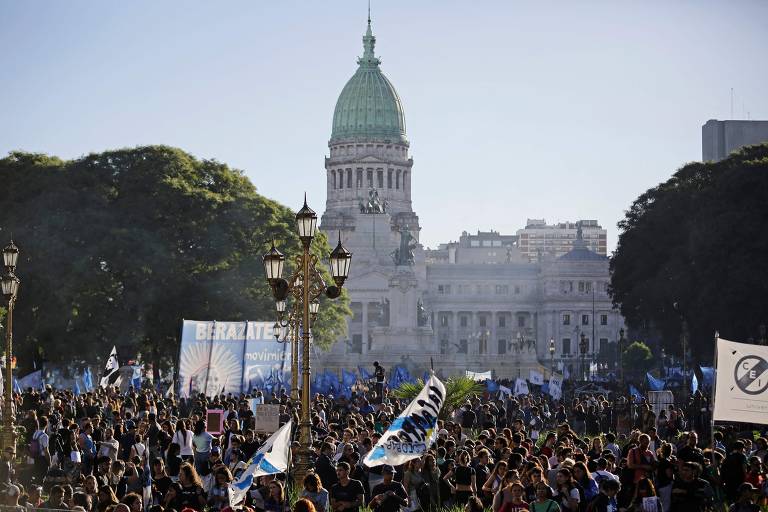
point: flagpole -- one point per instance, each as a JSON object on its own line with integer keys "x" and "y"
{"x": 712, "y": 403}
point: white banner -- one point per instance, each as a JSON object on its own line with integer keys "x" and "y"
{"x": 479, "y": 376}
{"x": 556, "y": 386}
{"x": 521, "y": 387}
{"x": 413, "y": 432}
{"x": 741, "y": 384}
{"x": 266, "y": 418}
{"x": 536, "y": 377}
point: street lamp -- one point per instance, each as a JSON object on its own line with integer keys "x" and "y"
{"x": 620, "y": 354}
{"x": 10, "y": 289}
{"x": 551, "y": 356}
{"x": 583, "y": 347}
{"x": 304, "y": 287}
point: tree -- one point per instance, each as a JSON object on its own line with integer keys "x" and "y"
{"x": 637, "y": 359}
{"x": 693, "y": 248}
{"x": 457, "y": 391}
{"x": 118, "y": 247}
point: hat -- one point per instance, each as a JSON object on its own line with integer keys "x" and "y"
{"x": 442, "y": 432}
{"x": 386, "y": 468}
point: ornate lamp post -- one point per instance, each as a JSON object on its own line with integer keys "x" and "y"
{"x": 583, "y": 347}
{"x": 551, "y": 356}
{"x": 10, "y": 288}
{"x": 305, "y": 287}
{"x": 620, "y": 358}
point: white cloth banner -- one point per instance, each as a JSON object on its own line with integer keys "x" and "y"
{"x": 479, "y": 376}
{"x": 505, "y": 390}
{"x": 521, "y": 387}
{"x": 413, "y": 432}
{"x": 271, "y": 458}
{"x": 536, "y": 377}
{"x": 556, "y": 386}
{"x": 741, "y": 383}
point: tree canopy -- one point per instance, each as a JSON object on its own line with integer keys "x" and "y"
{"x": 118, "y": 247}
{"x": 694, "y": 248}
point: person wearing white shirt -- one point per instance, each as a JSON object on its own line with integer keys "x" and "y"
{"x": 183, "y": 438}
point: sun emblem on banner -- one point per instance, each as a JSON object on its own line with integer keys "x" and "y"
{"x": 225, "y": 370}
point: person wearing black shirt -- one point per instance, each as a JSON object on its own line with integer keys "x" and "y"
{"x": 324, "y": 466}
{"x": 690, "y": 493}
{"x": 380, "y": 376}
{"x": 388, "y": 496}
{"x": 347, "y": 494}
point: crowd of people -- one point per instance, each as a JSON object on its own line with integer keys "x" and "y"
{"x": 107, "y": 451}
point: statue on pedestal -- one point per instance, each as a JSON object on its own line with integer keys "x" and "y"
{"x": 404, "y": 254}
{"x": 374, "y": 204}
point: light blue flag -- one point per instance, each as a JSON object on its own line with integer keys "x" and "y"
{"x": 364, "y": 373}
{"x": 16, "y": 387}
{"x": 653, "y": 383}
{"x": 694, "y": 383}
{"x": 32, "y": 380}
{"x": 271, "y": 458}
{"x": 77, "y": 387}
{"x": 635, "y": 393}
{"x": 708, "y": 376}
{"x": 491, "y": 385}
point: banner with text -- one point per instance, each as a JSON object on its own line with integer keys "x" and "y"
{"x": 231, "y": 357}
{"x": 741, "y": 382}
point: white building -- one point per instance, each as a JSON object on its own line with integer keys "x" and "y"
{"x": 480, "y": 303}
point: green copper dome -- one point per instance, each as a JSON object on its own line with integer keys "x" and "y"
{"x": 368, "y": 106}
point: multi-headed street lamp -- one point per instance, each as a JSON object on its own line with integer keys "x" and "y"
{"x": 304, "y": 287}
{"x": 583, "y": 348}
{"x": 10, "y": 286}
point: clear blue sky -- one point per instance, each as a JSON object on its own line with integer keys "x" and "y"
{"x": 562, "y": 110}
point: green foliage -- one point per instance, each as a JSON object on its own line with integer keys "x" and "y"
{"x": 698, "y": 240}
{"x": 457, "y": 391}
{"x": 637, "y": 358}
{"x": 118, "y": 247}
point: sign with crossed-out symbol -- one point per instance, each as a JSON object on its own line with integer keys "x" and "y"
{"x": 751, "y": 374}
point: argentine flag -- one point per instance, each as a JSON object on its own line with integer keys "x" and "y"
{"x": 271, "y": 458}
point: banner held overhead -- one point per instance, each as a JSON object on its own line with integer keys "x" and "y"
{"x": 741, "y": 382}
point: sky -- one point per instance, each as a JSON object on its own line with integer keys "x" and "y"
{"x": 515, "y": 109}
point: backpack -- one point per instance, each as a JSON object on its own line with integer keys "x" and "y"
{"x": 34, "y": 448}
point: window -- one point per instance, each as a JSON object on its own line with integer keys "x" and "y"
{"x": 389, "y": 178}
{"x": 397, "y": 179}
{"x": 482, "y": 346}
{"x": 481, "y": 319}
{"x": 349, "y": 178}
{"x": 603, "y": 319}
{"x": 369, "y": 177}
{"x": 356, "y": 346}
{"x": 440, "y": 289}
{"x": 444, "y": 320}
{"x": 517, "y": 290}
{"x": 380, "y": 178}
{"x": 462, "y": 349}
{"x": 463, "y": 320}
{"x": 521, "y": 321}
{"x": 502, "y": 321}
{"x": 444, "y": 346}
{"x": 333, "y": 173}
{"x": 359, "y": 178}
{"x": 566, "y": 319}
{"x": 584, "y": 319}
{"x": 502, "y": 289}
{"x": 567, "y": 346}
{"x": 581, "y": 286}
{"x": 588, "y": 287}
{"x": 502, "y": 346}
{"x": 603, "y": 345}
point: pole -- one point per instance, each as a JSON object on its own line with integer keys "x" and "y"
{"x": 712, "y": 403}
{"x": 685, "y": 362}
{"x": 294, "y": 360}
{"x": 9, "y": 437}
{"x": 305, "y": 435}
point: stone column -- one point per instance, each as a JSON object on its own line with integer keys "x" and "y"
{"x": 364, "y": 306}
{"x": 493, "y": 343}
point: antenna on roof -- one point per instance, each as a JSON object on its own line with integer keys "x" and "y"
{"x": 731, "y": 102}
{"x": 369, "y": 12}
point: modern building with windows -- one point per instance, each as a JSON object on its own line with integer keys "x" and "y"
{"x": 721, "y": 138}
{"x": 482, "y": 303}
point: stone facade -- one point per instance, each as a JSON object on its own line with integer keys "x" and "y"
{"x": 479, "y": 304}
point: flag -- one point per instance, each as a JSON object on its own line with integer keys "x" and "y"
{"x": 504, "y": 390}
{"x": 32, "y": 380}
{"x": 271, "y": 458}
{"x": 694, "y": 383}
{"x": 491, "y": 385}
{"x": 146, "y": 484}
{"x": 521, "y": 387}
{"x": 88, "y": 379}
{"x": 136, "y": 379}
{"x": 741, "y": 382}
{"x": 348, "y": 380}
{"x": 654, "y": 384}
{"x": 635, "y": 393}
{"x": 364, "y": 374}
{"x": 16, "y": 386}
{"x": 77, "y": 387}
{"x": 556, "y": 386}
{"x": 708, "y": 376}
{"x": 413, "y": 432}
{"x": 566, "y": 373}
{"x": 536, "y": 377}
{"x": 111, "y": 370}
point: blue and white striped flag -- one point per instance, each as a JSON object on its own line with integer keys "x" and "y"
{"x": 271, "y": 458}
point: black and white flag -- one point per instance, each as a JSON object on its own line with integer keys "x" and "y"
{"x": 111, "y": 370}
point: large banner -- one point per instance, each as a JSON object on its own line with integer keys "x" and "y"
{"x": 231, "y": 357}
{"x": 741, "y": 385}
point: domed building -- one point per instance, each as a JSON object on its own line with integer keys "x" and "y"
{"x": 478, "y": 304}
